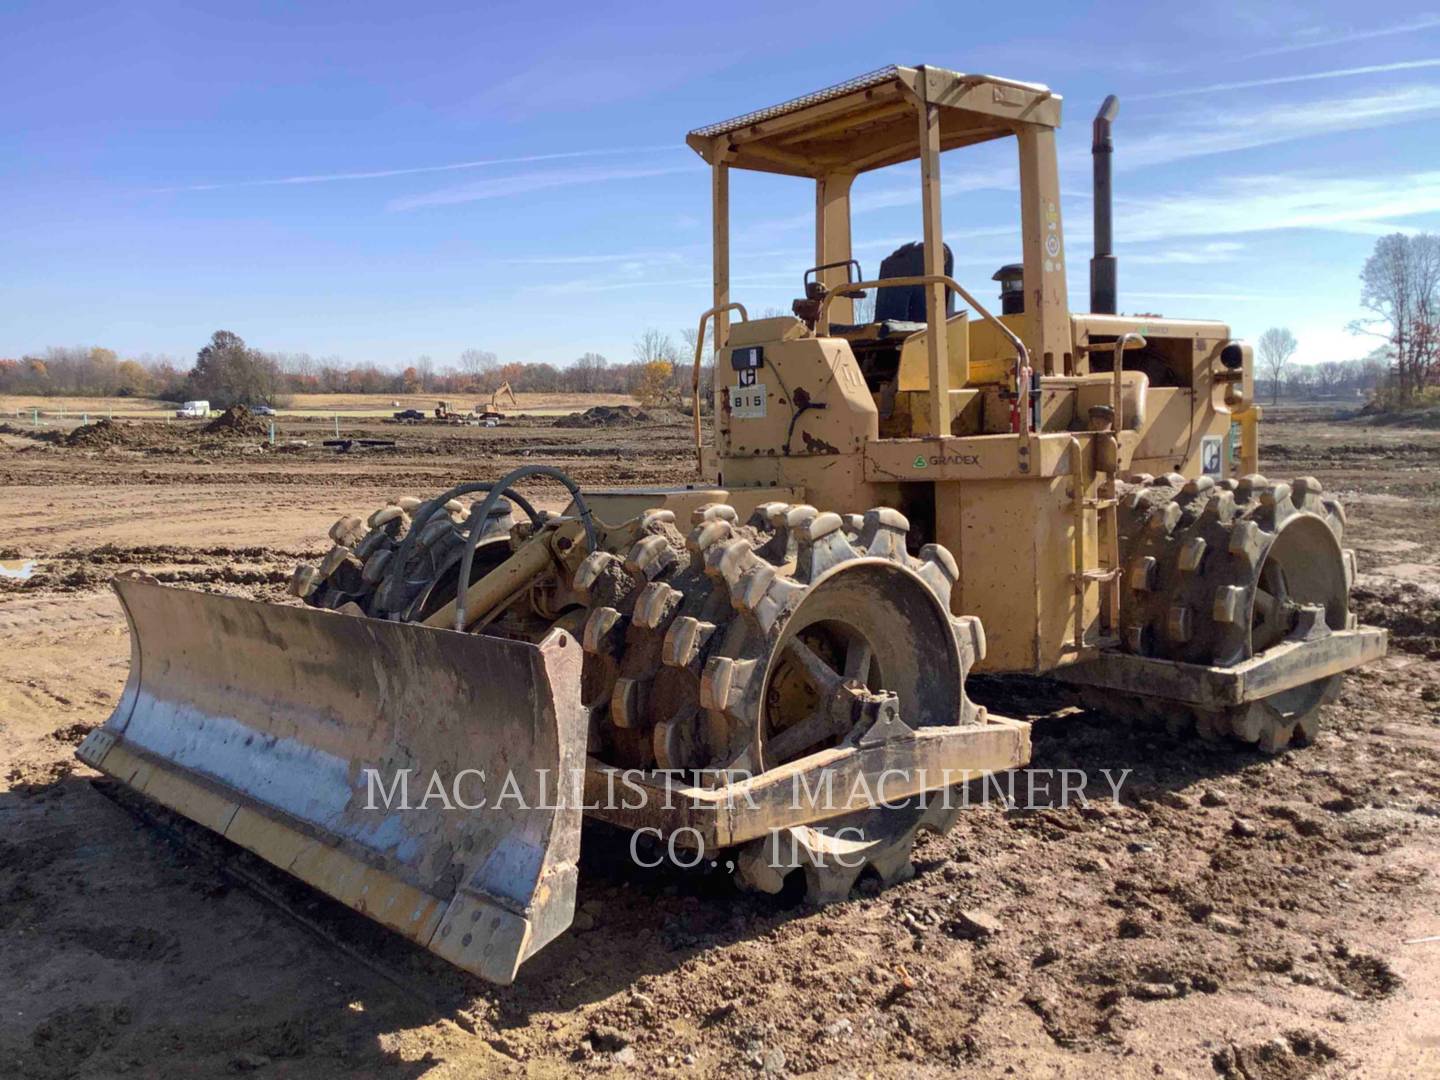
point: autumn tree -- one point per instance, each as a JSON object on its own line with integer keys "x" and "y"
{"x": 656, "y": 347}
{"x": 653, "y": 383}
{"x": 133, "y": 379}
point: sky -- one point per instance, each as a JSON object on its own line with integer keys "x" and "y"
{"x": 378, "y": 182}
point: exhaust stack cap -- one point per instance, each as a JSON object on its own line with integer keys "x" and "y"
{"x": 1012, "y": 288}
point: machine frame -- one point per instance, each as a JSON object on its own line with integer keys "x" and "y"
{"x": 975, "y": 492}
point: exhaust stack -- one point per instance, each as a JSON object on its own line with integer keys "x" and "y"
{"x": 1102, "y": 264}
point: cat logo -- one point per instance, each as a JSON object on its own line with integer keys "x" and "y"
{"x": 1210, "y": 455}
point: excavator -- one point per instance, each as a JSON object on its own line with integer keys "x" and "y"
{"x": 489, "y": 413}
{"x": 766, "y": 666}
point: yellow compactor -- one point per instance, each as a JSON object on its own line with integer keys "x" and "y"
{"x": 755, "y": 667}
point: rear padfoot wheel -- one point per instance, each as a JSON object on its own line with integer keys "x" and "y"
{"x": 1218, "y": 572}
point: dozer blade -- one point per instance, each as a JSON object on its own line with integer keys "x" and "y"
{"x": 428, "y": 779}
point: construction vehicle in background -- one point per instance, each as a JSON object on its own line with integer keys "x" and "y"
{"x": 745, "y": 666}
{"x": 489, "y": 413}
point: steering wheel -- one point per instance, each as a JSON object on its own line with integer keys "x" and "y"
{"x": 815, "y": 289}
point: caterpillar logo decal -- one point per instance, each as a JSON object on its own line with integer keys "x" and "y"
{"x": 1210, "y": 455}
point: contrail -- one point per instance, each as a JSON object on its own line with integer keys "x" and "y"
{"x": 378, "y": 174}
{"x": 1424, "y": 22}
{"x": 1339, "y": 73}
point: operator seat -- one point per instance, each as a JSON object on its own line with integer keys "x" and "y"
{"x": 906, "y": 303}
{"x": 899, "y": 309}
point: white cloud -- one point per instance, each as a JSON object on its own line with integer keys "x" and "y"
{"x": 686, "y": 254}
{"x": 526, "y": 183}
{"x": 952, "y": 183}
{"x": 659, "y": 286}
{"x": 1319, "y": 38}
{"x": 1178, "y": 138}
{"x": 1146, "y": 294}
{"x": 1279, "y": 80}
{"x": 1287, "y": 201}
{"x": 1202, "y": 254}
{"x": 1216, "y": 132}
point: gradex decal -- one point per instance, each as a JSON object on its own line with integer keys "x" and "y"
{"x": 922, "y": 462}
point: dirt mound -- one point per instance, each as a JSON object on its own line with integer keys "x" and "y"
{"x": 604, "y": 416}
{"x": 27, "y": 432}
{"x": 103, "y": 433}
{"x": 1410, "y": 614}
{"x": 237, "y": 420}
{"x": 100, "y": 433}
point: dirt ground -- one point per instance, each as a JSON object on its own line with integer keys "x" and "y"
{"x": 1231, "y": 915}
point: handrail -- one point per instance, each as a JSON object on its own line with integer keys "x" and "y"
{"x": 1131, "y": 340}
{"x": 1022, "y": 355}
{"x": 695, "y": 376}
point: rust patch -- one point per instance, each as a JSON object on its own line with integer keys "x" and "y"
{"x": 817, "y": 446}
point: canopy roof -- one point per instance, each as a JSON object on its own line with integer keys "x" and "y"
{"x": 870, "y": 121}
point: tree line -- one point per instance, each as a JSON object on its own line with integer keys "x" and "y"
{"x": 1400, "y": 293}
{"x": 227, "y": 371}
{"x": 1347, "y": 380}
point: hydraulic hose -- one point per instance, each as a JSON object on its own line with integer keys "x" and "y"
{"x": 433, "y": 506}
{"x": 482, "y": 511}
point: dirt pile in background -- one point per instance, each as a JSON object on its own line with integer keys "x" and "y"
{"x": 237, "y": 420}
{"x": 604, "y": 416}
{"x": 1410, "y": 613}
{"x": 100, "y": 433}
{"x": 114, "y": 433}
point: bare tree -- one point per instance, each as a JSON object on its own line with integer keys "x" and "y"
{"x": 1329, "y": 378}
{"x": 655, "y": 345}
{"x": 688, "y": 339}
{"x": 1302, "y": 381}
{"x": 477, "y": 362}
{"x": 1400, "y": 286}
{"x": 865, "y": 308}
{"x": 588, "y": 372}
{"x": 425, "y": 369}
{"x": 1277, "y": 346}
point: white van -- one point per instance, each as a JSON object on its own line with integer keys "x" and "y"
{"x": 193, "y": 410}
